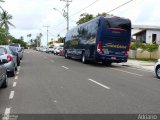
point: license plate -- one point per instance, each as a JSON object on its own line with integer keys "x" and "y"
{"x": 113, "y": 58}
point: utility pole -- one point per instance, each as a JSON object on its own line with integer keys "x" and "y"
{"x": 47, "y": 33}
{"x": 67, "y": 13}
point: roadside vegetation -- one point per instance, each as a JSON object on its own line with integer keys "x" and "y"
{"x": 5, "y": 24}
{"x": 149, "y": 47}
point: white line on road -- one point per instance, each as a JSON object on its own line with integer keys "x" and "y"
{"x": 7, "y": 111}
{"x": 19, "y": 68}
{"x": 127, "y": 72}
{"x": 65, "y": 67}
{"x": 14, "y": 84}
{"x": 17, "y": 73}
{"x": 99, "y": 84}
{"x": 11, "y": 95}
{"x": 16, "y": 77}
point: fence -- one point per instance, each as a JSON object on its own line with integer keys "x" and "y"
{"x": 139, "y": 53}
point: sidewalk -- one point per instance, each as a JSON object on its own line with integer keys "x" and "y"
{"x": 141, "y": 64}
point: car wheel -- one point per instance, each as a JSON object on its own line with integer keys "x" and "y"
{"x": 5, "y": 83}
{"x": 18, "y": 63}
{"x": 12, "y": 73}
{"x": 158, "y": 72}
{"x": 84, "y": 58}
{"x": 16, "y": 69}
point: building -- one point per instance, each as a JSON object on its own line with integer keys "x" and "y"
{"x": 146, "y": 34}
{"x": 52, "y": 43}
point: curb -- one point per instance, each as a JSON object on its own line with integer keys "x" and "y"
{"x": 140, "y": 67}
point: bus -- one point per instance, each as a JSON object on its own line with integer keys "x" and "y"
{"x": 103, "y": 39}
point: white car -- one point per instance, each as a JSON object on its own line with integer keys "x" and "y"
{"x": 157, "y": 68}
{"x": 50, "y": 49}
{"x": 57, "y": 50}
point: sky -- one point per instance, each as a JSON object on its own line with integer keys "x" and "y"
{"x": 30, "y": 16}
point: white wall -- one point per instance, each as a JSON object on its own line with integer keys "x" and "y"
{"x": 149, "y": 36}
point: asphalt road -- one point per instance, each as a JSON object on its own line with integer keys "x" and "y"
{"x": 49, "y": 84}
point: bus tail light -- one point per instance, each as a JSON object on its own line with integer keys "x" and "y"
{"x": 99, "y": 47}
{"x": 127, "y": 49}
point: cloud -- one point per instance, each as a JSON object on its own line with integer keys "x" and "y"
{"x": 29, "y": 16}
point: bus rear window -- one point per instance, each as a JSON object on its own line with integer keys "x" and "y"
{"x": 118, "y": 23}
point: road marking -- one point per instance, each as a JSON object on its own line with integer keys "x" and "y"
{"x": 11, "y": 95}
{"x": 99, "y": 84}
{"x": 65, "y": 67}
{"x": 7, "y": 111}
{"x": 14, "y": 84}
{"x": 17, "y": 73}
{"x": 19, "y": 68}
{"x": 126, "y": 72}
{"x": 16, "y": 77}
{"x": 52, "y": 61}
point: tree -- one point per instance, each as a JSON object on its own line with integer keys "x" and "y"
{"x": 102, "y": 14}
{"x": 3, "y": 41}
{"x": 21, "y": 38}
{"x": 0, "y": 6}
{"x": 37, "y": 41}
{"x": 5, "y": 18}
{"x": 85, "y": 17}
{"x": 60, "y": 39}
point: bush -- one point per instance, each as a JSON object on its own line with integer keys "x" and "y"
{"x": 136, "y": 45}
{"x": 151, "y": 47}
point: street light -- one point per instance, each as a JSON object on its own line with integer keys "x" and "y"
{"x": 65, "y": 14}
{"x": 59, "y": 12}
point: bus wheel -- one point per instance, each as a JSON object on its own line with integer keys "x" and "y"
{"x": 84, "y": 58}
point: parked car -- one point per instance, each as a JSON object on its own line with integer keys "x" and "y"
{"x": 3, "y": 74}
{"x": 157, "y": 68}
{"x": 57, "y": 50}
{"x": 61, "y": 52}
{"x": 50, "y": 49}
{"x": 7, "y": 54}
{"x": 20, "y": 50}
{"x": 18, "y": 54}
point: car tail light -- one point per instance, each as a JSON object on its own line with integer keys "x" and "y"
{"x": 9, "y": 58}
{"x": 99, "y": 47}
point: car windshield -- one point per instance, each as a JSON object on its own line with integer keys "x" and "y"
{"x": 79, "y": 59}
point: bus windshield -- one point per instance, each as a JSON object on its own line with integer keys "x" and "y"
{"x": 118, "y": 23}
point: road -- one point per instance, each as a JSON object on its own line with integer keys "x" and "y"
{"x": 49, "y": 84}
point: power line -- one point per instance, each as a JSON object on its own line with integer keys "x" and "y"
{"x": 106, "y": 12}
{"x": 119, "y": 6}
{"x": 84, "y": 8}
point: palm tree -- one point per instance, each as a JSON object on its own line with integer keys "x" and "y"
{"x": 5, "y": 18}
